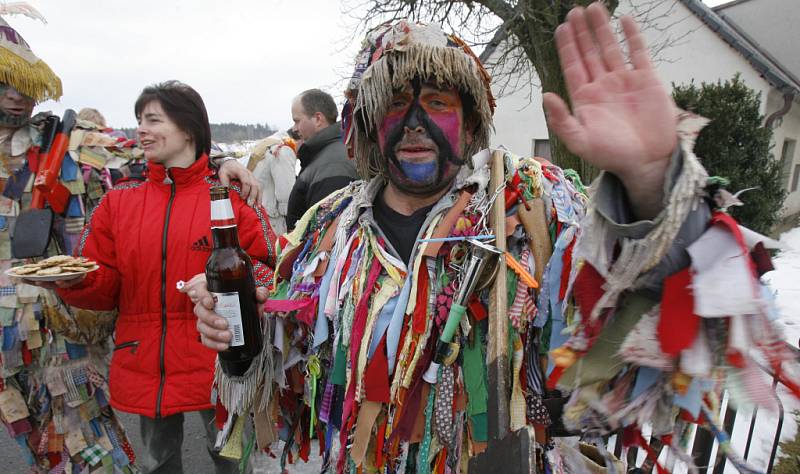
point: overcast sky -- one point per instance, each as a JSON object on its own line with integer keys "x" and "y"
{"x": 247, "y": 58}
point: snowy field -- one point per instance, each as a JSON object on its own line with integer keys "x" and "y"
{"x": 245, "y": 148}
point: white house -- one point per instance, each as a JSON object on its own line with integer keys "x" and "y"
{"x": 704, "y": 45}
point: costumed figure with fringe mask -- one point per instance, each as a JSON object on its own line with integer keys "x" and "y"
{"x": 619, "y": 309}
{"x": 53, "y": 388}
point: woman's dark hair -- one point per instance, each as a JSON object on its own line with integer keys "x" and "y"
{"x": 184, "y": 106}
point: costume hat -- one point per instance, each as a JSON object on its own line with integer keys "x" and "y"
{"x": 19, "y": 67}
{"x": 394, "y": 54}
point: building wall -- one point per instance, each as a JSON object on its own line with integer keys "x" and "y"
{"x": 772, "y": 24}
{"x": 788, "y": 128}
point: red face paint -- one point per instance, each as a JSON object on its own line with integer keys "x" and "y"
{"x": 421, "y": 137}
{"x": 445, "y": 109}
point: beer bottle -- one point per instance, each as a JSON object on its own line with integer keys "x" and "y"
{"x": 229, "y": 274}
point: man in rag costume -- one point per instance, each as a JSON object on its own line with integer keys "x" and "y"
{"x": 627, "y": 301}
{"x": 53, "y": 366}
{"x": 53, "y": 390}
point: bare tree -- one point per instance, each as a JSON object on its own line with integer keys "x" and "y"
{"x": 516, "y": 39}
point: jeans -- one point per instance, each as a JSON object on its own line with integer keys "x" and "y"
{"x": 163, "y": 438}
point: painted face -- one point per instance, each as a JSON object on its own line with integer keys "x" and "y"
{"x": 16, "y": 108}
{"x": 160, "y": 138}
{"x": 422, "y": 138}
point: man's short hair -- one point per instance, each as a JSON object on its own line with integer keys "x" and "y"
{"x": 315, "y": 100}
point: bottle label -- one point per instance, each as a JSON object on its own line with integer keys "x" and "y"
{"x": 222, "y": 213}
{"x": 227, "y": 306}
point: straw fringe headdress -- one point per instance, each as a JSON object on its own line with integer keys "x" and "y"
{"x": 19, "y": 67}
{"x": 392, "y": 55}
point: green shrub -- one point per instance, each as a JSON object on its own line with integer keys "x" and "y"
{"x": 735, "y": 145}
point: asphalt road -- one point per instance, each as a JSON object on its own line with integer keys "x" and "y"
{"x": 195, "y": 457}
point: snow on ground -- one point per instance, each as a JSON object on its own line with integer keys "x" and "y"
{"x": 785, "y": 281}
{"x": 243, "y": 148}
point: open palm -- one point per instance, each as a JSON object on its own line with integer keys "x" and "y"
{"x": 623, "y": 120}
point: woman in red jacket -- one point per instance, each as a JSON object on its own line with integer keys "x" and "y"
{"x": 146, "y": 236}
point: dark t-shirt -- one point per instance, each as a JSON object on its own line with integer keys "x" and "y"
{"x": 401, "y": 230}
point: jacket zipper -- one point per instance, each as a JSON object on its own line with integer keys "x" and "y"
{"x": 164, "y": 296}
{"x": 133, "y": 344}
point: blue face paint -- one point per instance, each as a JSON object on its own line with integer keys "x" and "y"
{"x": 419, "y": 172}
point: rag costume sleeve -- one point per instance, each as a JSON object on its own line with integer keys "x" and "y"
{"x": 639, "y": 255}
{"x": 675, "y": 304}
{"x": 258, "y": 240}
{"x": 613, "y": 207}
{"x": 100, "y": 289}
{"x": 624, "y": 263}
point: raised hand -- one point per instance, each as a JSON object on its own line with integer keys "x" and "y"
{"x": 623, "y": 119}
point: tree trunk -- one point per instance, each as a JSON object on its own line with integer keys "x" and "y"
{"x": 549, "y": 71}
{"x": 536, "y": 36}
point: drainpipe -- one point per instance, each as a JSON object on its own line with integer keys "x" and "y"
{"x": 788, "y": 100}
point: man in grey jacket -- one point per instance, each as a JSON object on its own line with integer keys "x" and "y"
{"x": 324, "y": 166}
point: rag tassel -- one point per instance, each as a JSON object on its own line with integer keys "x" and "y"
{"x": 238, "y": 393}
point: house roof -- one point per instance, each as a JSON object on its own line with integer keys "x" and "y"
{"x": 761, "y": 60}
{"x": 729, "y": 4}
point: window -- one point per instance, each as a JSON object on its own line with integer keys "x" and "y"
{"x": 787, "y": 160}
{"x": 795, "y": 178}
{"x": 541, "y": 148}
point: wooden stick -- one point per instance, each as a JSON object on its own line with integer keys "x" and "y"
{"x": 534, "y": 220}
{"x": 498, "y": 314}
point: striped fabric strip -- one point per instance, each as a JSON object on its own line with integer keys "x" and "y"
{"x": 515, "y": 311}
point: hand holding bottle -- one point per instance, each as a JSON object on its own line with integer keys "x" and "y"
{"x": 212, "y": 327}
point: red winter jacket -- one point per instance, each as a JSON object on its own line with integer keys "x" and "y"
{"x": 146, "y": 236}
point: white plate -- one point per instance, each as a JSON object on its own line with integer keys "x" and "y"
{"x": 60, "y": 276}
